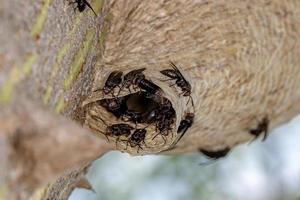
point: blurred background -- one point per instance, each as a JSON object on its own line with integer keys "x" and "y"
{"x": 267, "y": 170}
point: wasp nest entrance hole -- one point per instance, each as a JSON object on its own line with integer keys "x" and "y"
{"x": 149, "y": 118}
{"x": 139, "y": 102}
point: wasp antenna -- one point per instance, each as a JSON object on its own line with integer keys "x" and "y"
{"x": 192, "y": 101}
{"x": 155, "y": 136}
{"x": 265, "y": 136}
{"x": 147, "y": 126}
{"x": 266, "y": 121}
{"x": 89, "y": 5}
{"x": 139, "y": 147}
{"x": 174, "y": 66}
{"x": 179, "y": 138}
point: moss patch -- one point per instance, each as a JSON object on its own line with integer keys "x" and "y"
{"x": 41, "y": 19}
{"x": 79, "y": 59}
{"x": 60, "y": 105}
{"x": 16, "y": 75}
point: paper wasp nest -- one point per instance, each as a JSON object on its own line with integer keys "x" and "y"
{"x": 244, "y": 81}
{"x": 140, "y": 110}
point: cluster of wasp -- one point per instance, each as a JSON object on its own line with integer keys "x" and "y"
{"x": 160, "y": 111}
{"x": 145, "y": 104}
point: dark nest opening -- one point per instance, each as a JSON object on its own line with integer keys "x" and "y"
{"x": 142, "y": 107}
{"x": 139, "y": 102}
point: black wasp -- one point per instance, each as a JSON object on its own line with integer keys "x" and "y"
{"x": 114, "y": 80}
{"x": 159, "y": 111}
{"x": 150, "y": 116}
{"x": 137, "y": 78}
{"x": 164, "y": 127}
{"x": 165, "y": 118}
{"x": 185, "y": 124}
{"x": 133, "y": 116}
{"x": 148, "y": 86}
{"x": 163, "y": 115}
{"x": 262, "y": 127}
{"x": 116, "y": 130}
{"x": 181, "y": 82}
{"x": 117, "y": 105}
{"x": 215, "y": 154}
{"x": 131, "y": 78}
{"x": 164, "y": 110}
{"x": 137, "y": 138}
{"x": 81, "y": 5}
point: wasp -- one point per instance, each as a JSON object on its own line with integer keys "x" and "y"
{"x": 185, "y": 124}
{"x": 114, "y": 80}
{"x": 215, "y": 154}
{"x": 155, "y": 114}
{"x": 116, "y": 130}
{"x": 131, "y": 78}
{"x": 164, "y": 127}
{"x": 133, "y": 116}
{"x": 165, "y": 111}
{"x": 81, "y": 5}
{"x": 148, "y": 86}
{"x": 163, "y": 115}
{"x": 181, "y": 82}
{"x": 150, "y": 116}
{"x": 137, "y": 78}
{"x": 262, "y": 127}
{"x": 137, "y": 138}
{"x": 117, "y": 105}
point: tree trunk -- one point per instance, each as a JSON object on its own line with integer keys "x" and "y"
{"x": 240, "y": 57}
